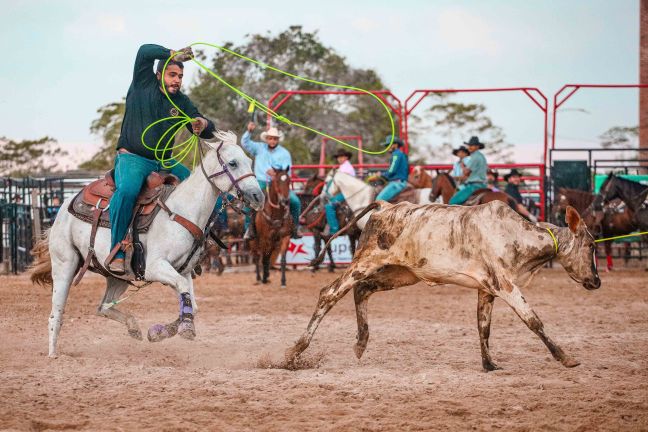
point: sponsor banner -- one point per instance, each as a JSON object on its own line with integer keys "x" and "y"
{"x": 302, "y": 251}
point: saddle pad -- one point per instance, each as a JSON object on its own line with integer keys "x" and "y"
{"x": 81, "y": 210}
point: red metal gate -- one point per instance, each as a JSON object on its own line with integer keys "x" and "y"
{"x": 538, "y": 98}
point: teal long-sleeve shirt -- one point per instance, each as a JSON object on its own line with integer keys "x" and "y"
{"x": 145, "y": 104}
{"x": 398, "y": 167}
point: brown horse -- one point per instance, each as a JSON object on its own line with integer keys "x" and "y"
{"x": 444, "y": 185}
{"x": 314, "y": 219}
{"x": 419, "y": 178}
{"x": 615, "y": 219}
{"x": 273, "y": 227}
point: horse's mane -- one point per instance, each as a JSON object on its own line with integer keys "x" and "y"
{"x": 449, "y": 177}
{"x": 579, "y": 199}
{"x": 227, "y": 137}
{"x": 636, "y": 186}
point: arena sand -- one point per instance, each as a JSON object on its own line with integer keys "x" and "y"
{"x": 421, "y": 370}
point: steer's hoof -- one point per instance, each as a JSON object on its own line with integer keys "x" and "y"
{"x": 135, "y": 333}
{"x": 569, "y": 362}
{"x": 359, "y": 350}
{"x": 490, "y": 366}
{"x": 186, "y": 330}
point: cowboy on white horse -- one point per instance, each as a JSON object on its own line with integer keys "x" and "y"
{"x": 145, "y": 104}
{"x": 343, "y": 158}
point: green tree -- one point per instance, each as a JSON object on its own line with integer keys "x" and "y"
{"x": 28, "y": 157}
{"x": 108, "y": 127}
{"x": 621, "y": 137}
{"x": 303, "y": 54}
{"x": 455, "y": 122}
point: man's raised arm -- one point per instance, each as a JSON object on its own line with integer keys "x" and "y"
{"x": 146, "y": 56}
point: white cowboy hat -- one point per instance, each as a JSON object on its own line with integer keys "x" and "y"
{"x": 273, "y": 131}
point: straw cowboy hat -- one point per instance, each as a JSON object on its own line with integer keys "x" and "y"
{"x": 474, "y": 141}
{"x": 273, "y": 132}
{"x": 342, "y": 152}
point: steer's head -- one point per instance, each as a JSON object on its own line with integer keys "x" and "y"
{"x": 578, "y": 253}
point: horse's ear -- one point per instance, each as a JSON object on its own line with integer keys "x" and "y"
{"x": 573, "y": 219}
{"x": 437, "y": 171}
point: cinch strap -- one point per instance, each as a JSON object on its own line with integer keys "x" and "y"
{"x": 554, "y": 238}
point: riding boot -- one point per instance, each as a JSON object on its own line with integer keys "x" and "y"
{"x": 295, "y": 233}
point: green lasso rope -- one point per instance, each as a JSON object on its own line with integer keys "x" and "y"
{"x": 182, "y": 119}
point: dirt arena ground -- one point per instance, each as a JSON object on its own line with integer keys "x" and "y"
{"x": 421, "y": 370}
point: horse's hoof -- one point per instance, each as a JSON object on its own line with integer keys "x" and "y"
{"x": 135, "y": 333}
{"x": 158, "y": 332}
{"x": 569, "y": 362}
{"x": 187, "y": 330}
{"x": 283, "y": 286}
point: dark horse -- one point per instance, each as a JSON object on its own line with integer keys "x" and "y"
{"x": 273, "y": 227}
{"x": 444, "y": 185}
{"x": 633, "y": 194}
{"x": 314, "y": 219}
{"x": 614, "y": 219}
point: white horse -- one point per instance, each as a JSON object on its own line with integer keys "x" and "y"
{"x": 358, "y": 194}
{"x": 167, "y": 243}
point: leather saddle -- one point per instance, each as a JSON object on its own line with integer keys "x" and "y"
{"x": 98, "y": 193}
{"x": 476, "y": 197}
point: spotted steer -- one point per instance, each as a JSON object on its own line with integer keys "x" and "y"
{"x": 489, "y": 248}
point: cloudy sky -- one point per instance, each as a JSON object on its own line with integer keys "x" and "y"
{"x": 64, "y": 59}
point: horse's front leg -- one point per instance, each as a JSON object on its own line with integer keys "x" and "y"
{"x": 317, "y": 246}
{"x": 283, "y": 249}
{"x": 162, "y": 271}
{"x": 266, "y": 267}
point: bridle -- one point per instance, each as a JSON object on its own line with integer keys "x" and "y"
{"x": 225, "y": 171}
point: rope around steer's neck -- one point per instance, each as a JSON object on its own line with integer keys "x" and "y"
{"x": 553, "y": 237}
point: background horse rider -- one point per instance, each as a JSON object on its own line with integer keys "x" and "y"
{"x": 145, "y": 104}
{"x": 343, "y": 158}
{"x": 474, "y": 172}
{"x": 397, "y": 173}
{"x": 267, "y": 156}
{"x": 491, "y": 180}
{"x": 513, "y": 180}
{"x": 457, "y": 172}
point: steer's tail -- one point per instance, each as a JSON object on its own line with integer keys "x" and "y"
{"x": 318, "y": 260}
{"x": 41, "y": 269}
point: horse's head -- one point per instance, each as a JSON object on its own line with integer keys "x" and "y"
{"x": 313, "y": 185}
{"x": 419, "y": 178}
{"x": 229, "y": 169}
{"x": 608, "y": 190}
{"x": 280, "y": 185}
{"x": 577, "y": 251}
{"x": 441, "y": 183}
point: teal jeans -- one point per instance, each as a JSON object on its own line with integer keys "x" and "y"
{"x": 131, "y": 171}
{"x": 331, "y": 214}
{"x": 462, "y": 195}
{"x": 392, "y": 189}
{"x": 295, "y": 206}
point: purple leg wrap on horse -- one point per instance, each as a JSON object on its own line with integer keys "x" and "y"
{"x": 186, "y": 310}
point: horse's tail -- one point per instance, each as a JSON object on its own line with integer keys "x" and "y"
{"x": 41, "y": 269}
{"x": 318, "y": 260}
